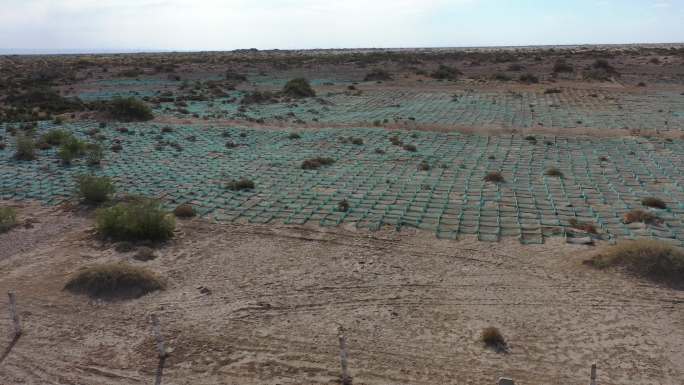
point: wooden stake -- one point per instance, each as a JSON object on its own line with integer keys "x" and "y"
{"x": 13, "y": 313}
{"x": 593, "y": 374}
{"x": 346, "y": 380}
{"x": 157, "y": 335}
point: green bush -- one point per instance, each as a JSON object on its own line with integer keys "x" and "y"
{"x": 26, "y": 148}
{"x": 94, "y": 154}
{"x": 140, "y": 219}
{"x": 56, "y": 137}
{"x": 71, "y": 149}
{"x": 129, "y": 109}
{"x": 95, "y": 189}
{"x": 8, "y": 218}
{"x": 298, "y": 88}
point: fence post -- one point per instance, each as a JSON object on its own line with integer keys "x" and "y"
{"x": 346, "y": 380}
{"x": 13, "y": 313}
{"x": 593, "y": 374}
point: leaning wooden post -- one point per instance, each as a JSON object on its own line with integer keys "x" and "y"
{"x": 157, "y": 335}
{"x": 13, "y": 314}
{"x": 346, "y": 380}
{"x": 593, "y": 374}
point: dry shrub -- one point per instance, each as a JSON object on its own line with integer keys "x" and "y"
{"x": 240, "y": 184}
{"x": 494, "y": 177}
{"x": 184, "y": 211}
{"x": 316, "y": 163}
{"x": 654, "y": 202}
{"x": 553, "y": 171}
{"x": 139, "y": 219}
{"x": 650, "y": 259}
{"x": 114, "y": 281}
{"x": 584, "y": 226}
{"x": 8, "y": 219}
{"x": 493, "y": 339}
{"x": 639, "y": 216}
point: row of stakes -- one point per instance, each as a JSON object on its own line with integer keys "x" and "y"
{"x": 345, "y": 377}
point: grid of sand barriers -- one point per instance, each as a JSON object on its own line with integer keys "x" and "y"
{"x": 382, "y": 183}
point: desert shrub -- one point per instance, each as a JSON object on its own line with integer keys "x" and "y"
{"x": 552, "y": 91}
{"x": 294, "y": 135}
{"x": 531, "y": 138}
{"x": 502, "y": 77}
{"x": 600, "y": 70}
{"x": 94, "y": 154}
{"x": 144, "y": 254}
{"x": 258, "y": 97}
{"x": 396, "y": 141}
{"x": 8, "y": 218}
{"x": 446, "y": 73}
{"x": 28, "y": 104}
{"x": 561, "y": 66}
{"x": 515, "y": 67}
{"x": 651, "y": 259}
{"x": 553, "y": 171}
{"x": 139, "y": 219}
{"x": 316, "y": 163}
{"x": 494, "y": 177}
{"x": 343, "y": 206}
{"x": 298, "y": 88}
{"x": 114, "y": 281}
{"x": 410, "y": 147}
{"x": 424, "y": 166}
{"x": 356, "y": 141}
{"x": 528, "y": 78}
{"x": 584, "y": 226}
{"x": 377, "y": 74}
{"x": 240, "y": 184}
{"x": 234, "y": 76}
{"x": 26, "y": 148}
{"x": 639, "y": 216}
{"x": 654, "y": 202}
{"x": 56, "y": 137}
{"x": 129, "y": 109}
{"x": 71, "y": 149}
{"x": 184, "y": 211}
{"x": 493, "y": 339}
{"x": 95, "y": 189}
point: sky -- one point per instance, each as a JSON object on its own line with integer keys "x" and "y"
{"x": 193, "y": 25}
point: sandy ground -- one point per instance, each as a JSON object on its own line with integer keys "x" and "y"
{"x": 262, "y": 305}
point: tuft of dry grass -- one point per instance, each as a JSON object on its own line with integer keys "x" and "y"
{"x": 639, "y": 216}
{"x": 316, "y": 163}
{"x": 553, "y": 171}
{"x": 240, "y": 184}
{"x": 494, "y": 177}
{"x": 654, "y": 202}
{"x": 584, "y": 226}
{"x": 655, "y": 260}
{"x": 114, "y": 281}
{"x": 184, "y": 211}
{"x": 343, "y": 206}
{"x": 493, "y": 339}
{"x": 8, "y": 219}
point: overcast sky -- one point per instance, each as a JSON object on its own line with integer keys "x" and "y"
{"x": 285, "y": 24}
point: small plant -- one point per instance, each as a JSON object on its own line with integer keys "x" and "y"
{"x": 642, "y": 216}
{"x": 410, "y": 148}
{"x": 396, "y": 141}
{"x": 377, "y": 74}
{"x": 129, "y": 109}
{"x": 528, "y": 78}
{"x": 56, "y": 137}
{"x": 549, "y": 91}
{"x": 258, "y": 97}
{"x": 424, "y": 166}
{"x": 144, "y": 254}
{"x": 654, "y": 202}
{"x": 26, "y": 148}
{"x": 561, "y": 66}
{"x": 493, "y": 339}
{"x": 446, "y": 73}
{"x": 494, "y": 177}
{"x": 8, "y": 219}
{"x": 583, "y": 226}
{"x": 554, "y": 172}
{"x": 357, "y": 141}
{"x": 294, "y": 135}
{"x": 184, "y": 211}
{"x": 139, "y": 219}
{"x": 316, "y": 163}
{"x": 240, "y": 184}
{"x": 95, "y": 189}
{"x": 654, "y": 260}
{"x": 502, "y": 77}
{"x": 343, "y": 206}
{"x": 71, "y": 149}
{"x": 531, "y": 139}
{"x": 114, "y": 281}
{"x": 94, "y": 154}
{"x": 298, "y": 88}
